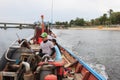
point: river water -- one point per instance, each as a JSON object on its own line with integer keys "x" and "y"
{"x": 98, "y": 48}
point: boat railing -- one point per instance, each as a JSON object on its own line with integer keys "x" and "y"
{"x": 99, "y": 77}
{"x": 15, "y": 44}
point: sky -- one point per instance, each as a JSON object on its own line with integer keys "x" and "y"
{"x": 29, "y": 11}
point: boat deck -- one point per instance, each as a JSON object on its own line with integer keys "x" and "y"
{"x": 35, "y": 47}
{"x": 65, "y": 79}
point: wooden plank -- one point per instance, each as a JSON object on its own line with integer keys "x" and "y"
{"x": 1, "y": 76}
{"x": 35, "y": 47}
{"x": 11, "y": 74}
{"x": 65, "y": 79}
{"x": 67, "y": 63}
{"x": 78, "y": 76}
{"x": 69, "y": 57}
{"x": 92, "y": 77}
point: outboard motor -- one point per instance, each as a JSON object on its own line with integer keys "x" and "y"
{"x": 60, "y": 69}
{"x": 44, "y": 68}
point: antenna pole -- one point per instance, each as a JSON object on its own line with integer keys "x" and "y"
{"x": 52, "y": 14}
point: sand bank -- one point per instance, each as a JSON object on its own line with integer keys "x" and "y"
{"x": 94, "y": 28}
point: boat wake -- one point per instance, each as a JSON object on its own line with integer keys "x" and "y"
{"x": 75, "y": 45}
{"x": 99, "y": 68}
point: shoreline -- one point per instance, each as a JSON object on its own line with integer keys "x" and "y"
{"x": 94, "y": 28}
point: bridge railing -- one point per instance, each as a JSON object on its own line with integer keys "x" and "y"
{"x": 15, "y": 25}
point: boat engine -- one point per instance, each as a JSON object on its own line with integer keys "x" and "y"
{"x": 48, "y": 68}
{"x": 44, "y": 69}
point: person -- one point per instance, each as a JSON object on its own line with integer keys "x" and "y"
{"x": 50, "y": 38}
{"x": 58, "y": 56}
{"x": 25, "y": 44}
{"x": 52, "y": 34}
{"x": 46, "y": 46}
{"x": 38, "y": 31}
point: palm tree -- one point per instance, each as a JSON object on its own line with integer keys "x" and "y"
{"x": 110, "y": 12}
{"x": 104, "y": 18}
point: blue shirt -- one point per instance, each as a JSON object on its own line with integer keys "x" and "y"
{"x": 58, "y": 56}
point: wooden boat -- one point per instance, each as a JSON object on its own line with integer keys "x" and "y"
{"x": 70, "y": 68}
{"x": 75, "y": 68}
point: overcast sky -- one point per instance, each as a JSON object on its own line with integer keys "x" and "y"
{"x": 29, "y": 11}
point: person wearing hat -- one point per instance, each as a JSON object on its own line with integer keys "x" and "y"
{"x": 46, "y": 46}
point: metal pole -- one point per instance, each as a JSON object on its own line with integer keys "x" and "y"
{"x": 52, "y": 14}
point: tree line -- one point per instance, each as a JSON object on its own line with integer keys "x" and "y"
{"x": 112, "y": 18}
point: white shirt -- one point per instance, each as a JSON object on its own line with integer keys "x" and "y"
{"x": 46, "y": 47}
{"x": 50, "y": 37}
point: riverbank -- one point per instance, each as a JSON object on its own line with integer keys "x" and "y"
{"x": 98, "y": 28}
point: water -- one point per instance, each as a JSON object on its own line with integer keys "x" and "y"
{"x": 98, "y": 48}
{"x": 9, "y": 35}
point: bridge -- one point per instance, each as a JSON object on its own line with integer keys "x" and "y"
{"x": 16, "y": 25}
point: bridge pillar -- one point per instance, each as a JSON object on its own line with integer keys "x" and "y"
{"x": 20, "y": 26}
{"x": 5, "y": 26}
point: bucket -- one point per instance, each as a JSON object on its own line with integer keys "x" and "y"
{"x": 50, "y": 77}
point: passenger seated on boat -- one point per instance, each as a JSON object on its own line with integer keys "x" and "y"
{"x": 46, "y": 46}
{"x": 38, "y": 32}
{"x": 25, "y": 43}
{"x": 57, "y": 54}
{"x": 51, "y": 35}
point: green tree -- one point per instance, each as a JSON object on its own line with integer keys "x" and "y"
{"x": 110, "y": 12}
{"x": 79, "y": 22}
{"x": 71, "y": 22}
{"x": 97, "y": 21}
{"x": 115, "y": 18}
{"x": 104, "y": 18}
{"x": 92, "y": 22}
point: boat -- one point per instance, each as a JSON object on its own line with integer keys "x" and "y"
{"x": 70, "y": 68}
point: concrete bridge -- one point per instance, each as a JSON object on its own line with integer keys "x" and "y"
{"x": 15, "y": 25}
